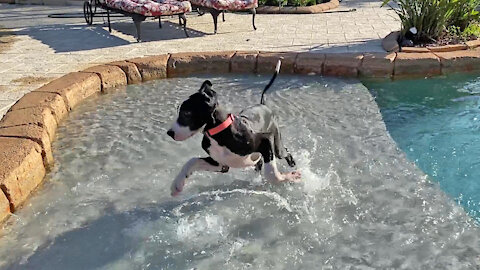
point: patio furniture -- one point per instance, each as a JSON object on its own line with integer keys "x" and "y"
{"x": 217, "y": 7}
{"x": 139, "y": 10}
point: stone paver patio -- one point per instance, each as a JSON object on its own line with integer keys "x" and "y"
{"x": 43, "y": 48}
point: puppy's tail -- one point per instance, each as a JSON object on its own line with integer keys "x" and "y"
{"x": 277, "y": 70}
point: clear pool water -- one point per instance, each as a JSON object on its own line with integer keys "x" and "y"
{"x": 361, "y": 204}
{"x": 436, "y": 122}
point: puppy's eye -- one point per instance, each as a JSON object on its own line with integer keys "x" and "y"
{"x": 186, "y": 113}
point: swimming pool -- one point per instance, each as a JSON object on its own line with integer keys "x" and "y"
{"x": 362, "y": 204}
{"x": 436, "y": 122}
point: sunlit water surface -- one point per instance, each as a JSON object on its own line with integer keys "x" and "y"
{"x": 361, "y": 205}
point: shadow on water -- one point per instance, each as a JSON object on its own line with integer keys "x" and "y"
{"x": 84, "y": 247}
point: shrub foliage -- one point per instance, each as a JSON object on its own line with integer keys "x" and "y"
{"x": 433, "y": 17}
{"x": 294, "y": 3}
{"x": 463, "y": 13}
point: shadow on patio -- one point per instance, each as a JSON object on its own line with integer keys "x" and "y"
{"x": 371, "y": 45}
{"x": 80, "y": 37}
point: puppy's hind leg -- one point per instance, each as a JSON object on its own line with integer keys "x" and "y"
{"x": 280, "y": 150}
{"x": 195, "y": 164}
{"x": 271, "y": 171}
{"x": 273, "y": 175}
{"x": 289, "y": 159}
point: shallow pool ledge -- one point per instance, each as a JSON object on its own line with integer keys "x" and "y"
{"x": 28, "y": 128}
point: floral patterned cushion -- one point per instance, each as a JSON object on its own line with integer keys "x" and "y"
{"x": 231, "y": 5}
{"x": 151, "y": 8}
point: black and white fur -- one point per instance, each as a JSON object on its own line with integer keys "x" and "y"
{"x": 251, "y": 140}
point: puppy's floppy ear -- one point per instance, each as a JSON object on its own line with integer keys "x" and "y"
{"x": 206, "y": 83}
{"x": 210, "y": 95}
{"x": 207, "y": 90}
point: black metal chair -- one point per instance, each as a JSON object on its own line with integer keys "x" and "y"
{"x": 215, "y": 8}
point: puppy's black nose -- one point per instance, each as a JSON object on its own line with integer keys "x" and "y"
{"x": 171, "y": 133}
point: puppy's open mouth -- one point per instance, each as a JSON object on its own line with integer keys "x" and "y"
{"x": 180, "y": 133}
{"x": 181, "y": 138}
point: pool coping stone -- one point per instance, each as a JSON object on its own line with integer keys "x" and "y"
{"x": 21, "y": 171}
{"x": 416, "y": 65}
{"x": 182, "y": 64}
{"x": 53, "y": 101}
{"x": 244, "y": 62}
{"x": 74, "y": 87}
{"x": 130, "y": 69}
{"x": 111, "y": 76}
{"x": 266, "y": 62}
{"x": 39, "y": 116}
{"x": 342, "y": 64}
{"x": 466, "y": 61}
{"x": 4, "y": 207}
{"x": 377, "y": 65}
{"x": 151, "y": 67}
{"x": 33, "y": 133}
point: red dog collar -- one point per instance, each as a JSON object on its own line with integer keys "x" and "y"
{"x": 221, "y": 127}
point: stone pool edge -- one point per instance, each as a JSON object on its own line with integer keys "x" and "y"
{"x": 28, "y": 128}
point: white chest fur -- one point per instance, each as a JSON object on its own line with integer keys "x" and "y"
{"x": 224, "y": 156}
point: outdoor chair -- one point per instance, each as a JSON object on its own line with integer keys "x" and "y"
{"x": 215, "y": 7}
{"x": 139, "y": 10}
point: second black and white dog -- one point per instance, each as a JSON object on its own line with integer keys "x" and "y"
{"x": 251, "y": 138}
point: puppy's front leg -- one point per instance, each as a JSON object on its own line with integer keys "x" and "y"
{"x": 195, "y": 164}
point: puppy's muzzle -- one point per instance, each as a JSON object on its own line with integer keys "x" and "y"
{"x": 171, "y": 133}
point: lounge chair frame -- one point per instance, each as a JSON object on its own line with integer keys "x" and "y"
{"x": 90, "y": 11}
{"x": 215, "y": 12}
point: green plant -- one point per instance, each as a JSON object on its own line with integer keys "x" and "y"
{"x": 464, "y": 12}
{"x": 295, "y": 3}
{"x": 453, "y": 31}
{"x": 301, "y": 3}
{"x": 430, "y": 17}
{"x": 453, "y": 34}
{"x": 272, "y": 2}
{"x": 472, "y": 30}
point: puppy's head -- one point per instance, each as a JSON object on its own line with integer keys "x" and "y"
{"x": 194, "y": 113}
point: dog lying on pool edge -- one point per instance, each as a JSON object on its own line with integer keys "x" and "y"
{"x": 250, "y": 139}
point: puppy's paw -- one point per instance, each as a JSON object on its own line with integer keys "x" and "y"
{"x": 224, "y": 169}
{"x": 176, "y": 188}
{"x": 175, "y": 193}
{"x": 294, "y": 176}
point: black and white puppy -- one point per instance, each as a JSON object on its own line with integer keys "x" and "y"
{"x": 232, "y": 141}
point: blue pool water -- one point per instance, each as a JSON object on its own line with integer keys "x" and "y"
{"x": 436, "y": 122}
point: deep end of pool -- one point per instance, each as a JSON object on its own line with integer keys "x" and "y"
{"x": 436, "y": 122}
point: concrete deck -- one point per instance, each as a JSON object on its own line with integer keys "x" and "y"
{"x": 43, "y": 48}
